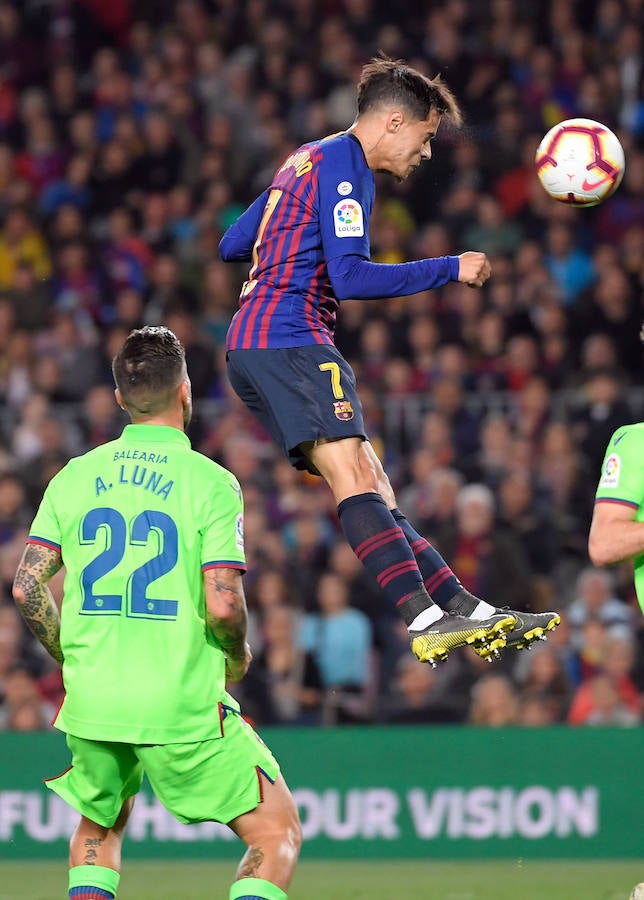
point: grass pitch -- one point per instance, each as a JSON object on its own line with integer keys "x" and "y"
{"x": 359, "y": 880}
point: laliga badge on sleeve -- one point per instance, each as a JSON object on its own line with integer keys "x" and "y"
{"x": 348, "y": 219}
{"x": 610, "y": 475}
{"x": 239, "y": 532}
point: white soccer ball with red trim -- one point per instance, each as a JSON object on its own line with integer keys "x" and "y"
{"x": 580, "y": 162}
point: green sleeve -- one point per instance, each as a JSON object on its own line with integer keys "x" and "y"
{"x": 622, "y": 474}
{"x": 223, "y": 536}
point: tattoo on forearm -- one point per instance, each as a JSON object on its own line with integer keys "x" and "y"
{"x": 231, "y": 594}
{"x": 230, "y": 623}
{"x": 34, "y": 599}
{"x": 230, "y": 635}
{"x": 251, "y": 863}
{"x": 92, "y": 846}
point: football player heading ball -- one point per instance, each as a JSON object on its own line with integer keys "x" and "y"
{"x": 307, "y": 239}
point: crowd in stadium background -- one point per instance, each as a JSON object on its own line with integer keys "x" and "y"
{"x": 133, "y": 133}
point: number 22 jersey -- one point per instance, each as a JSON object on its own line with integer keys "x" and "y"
{"x": 137, "y": 521}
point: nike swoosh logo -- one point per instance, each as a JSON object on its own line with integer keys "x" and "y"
{"x": 618, "y": 438}
{"x": 589, "y": 185}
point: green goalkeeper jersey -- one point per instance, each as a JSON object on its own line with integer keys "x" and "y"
{"x": 137, "y": 521}
{"x": 622, "y": 481}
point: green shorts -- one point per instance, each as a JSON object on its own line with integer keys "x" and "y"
{"x": 206, "y": 781}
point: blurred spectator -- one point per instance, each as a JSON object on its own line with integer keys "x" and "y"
{"x": 58, "y": 440}
{"x": 72, "y": 188}
{"x": 436, "y": 439}
{"x": 70, "y": 341}
{"x": 292, "y": 676}
{"x": 340, "y": 639}
{"x": 26, "y": 442}
{"x": 23, "y": 708}
{"x": 538, "y": 710}
{"x": 366, "y": 596}
{"x": 490, "y": 564}
{"x": 522, "y": 515}
{"x": 541, "y": 674}
{"x": 10, "y": 638}
{"x": 42, "y": 161}
{"x": 599, "y": 703}
{"x": 429, "y": 499}
{"x": 568, "y": 263}
{"x": 495, "y": 702}
{"x": 491, "y": 462}
{"x": 166, "y": 290}
{"x": 101, "y": 419}
{"x": 563, "y": 473}
{"x": 591, "y": 642}
{"x": 15, "y": 512}
{"x": 77, "y": 285}
{"x": 593, "y": 698}
{"x": 602, "y": 410}
{"x": 448, "y": 397}
{"x": 521, "y": 362}
{"x": 418, "y": 697}
{"x": 158, "y": 168}
{"x": 307, "y": 538}
{"x": 21, "y": 242}
{"x": 30, "y": 298}
{"x": 612, "y": 307}
{"x": 112, "y": 181}
{"x": 595, "y": 600}
{"x": 199, "y": 356}
{"x": 493, "y": 232}
{"x": 126, "y": 258}
{"x": 270, "y": 590}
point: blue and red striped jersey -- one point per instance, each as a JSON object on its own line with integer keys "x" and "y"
{"x": 316, "y": 210}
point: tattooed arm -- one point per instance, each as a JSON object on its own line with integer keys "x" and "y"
{"x": 227, "y": 618}
{"x": 34, "y": 599}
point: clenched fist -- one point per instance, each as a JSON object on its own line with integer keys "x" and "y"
{"x": 473, "y": 268}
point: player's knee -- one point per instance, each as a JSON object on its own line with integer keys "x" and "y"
{"x": 282, "y": 840}
{"x": 365, "y": 482}
{"x": 366, "y": 470}
{"x": 386, "y": 491}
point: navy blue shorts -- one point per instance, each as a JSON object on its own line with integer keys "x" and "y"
{"x": 299, "y": 394}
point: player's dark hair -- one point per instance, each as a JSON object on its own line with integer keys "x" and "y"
{"x": 386, "y": 81}
{"x": 148, "y": 369}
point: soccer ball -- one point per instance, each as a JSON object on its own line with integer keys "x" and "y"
{"x": 580, "y": 162}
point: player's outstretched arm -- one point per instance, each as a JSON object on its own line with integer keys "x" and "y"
{"x": 354, "y": 277}
{"x": 227, "y": 618}
{"x": 34, "y": 599}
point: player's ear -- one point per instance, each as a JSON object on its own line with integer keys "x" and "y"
{"x": 119, "y": 399}
{"x": 395, "y": 120}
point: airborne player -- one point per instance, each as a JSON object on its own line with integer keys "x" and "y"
{"x": 307, "y": 240}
